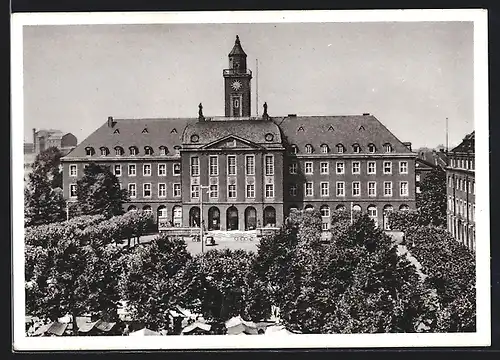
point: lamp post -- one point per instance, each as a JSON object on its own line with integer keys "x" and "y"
{"x": 202, "y": 187}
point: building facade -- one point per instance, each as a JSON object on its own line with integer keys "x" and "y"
{"x": 426, "y": 162}
{"x": 239, "y": 172}
{"x": 461, "y": 193}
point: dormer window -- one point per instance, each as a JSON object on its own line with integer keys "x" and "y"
{"x": 324, "y": 149}
{"x": 173, "y": 131}
{"x": 309, "y": 149}
{"x": 371, "y": 148}
{"x": 301, "y": 128}
{"x": 133, "y": 150}
{"x": 104, "y": 151}
{"x": 89, "y": 151}
{"x": 340, "y": 148}
{"x": 388, "y": 148}
{"x": 163, "y": 150}
{"x": 356, "y": 148}
{"x": 119, "y": 151}
{"x": 148, "y": 150}
{"x": 294, "y": 149}
{"x": 177, "y": 149}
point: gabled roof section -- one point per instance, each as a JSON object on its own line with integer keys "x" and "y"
{"x": 239, "y": 142}
{"x": 253, "y": 131}
{"x": 160, "y": 132}
{"x": 467, "y": 144}
{"x": 318, "y": 130}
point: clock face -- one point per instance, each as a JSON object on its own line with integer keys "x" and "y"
{"x": 236, "y": 85}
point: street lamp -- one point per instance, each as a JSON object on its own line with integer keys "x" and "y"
{"x": 202, "y": 187}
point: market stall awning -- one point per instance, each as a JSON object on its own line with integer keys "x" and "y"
{"x": 144, "y": 332}
{"x": 237, "y": 325}
{"x": 196, "y": 326}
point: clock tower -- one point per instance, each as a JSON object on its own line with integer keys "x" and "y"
{"x": 237, "y": 83}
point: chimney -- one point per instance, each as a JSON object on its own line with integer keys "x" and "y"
{"x": 34, "y": 140}
{"x": 408, "y": 145}
{"x": 110, "y": 121}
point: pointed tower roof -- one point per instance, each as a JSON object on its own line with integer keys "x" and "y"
{"x": 237, "y": 49}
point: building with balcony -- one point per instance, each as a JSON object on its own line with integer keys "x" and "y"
{"x": 461, "y": 192}
{"x": 249, "y": 172}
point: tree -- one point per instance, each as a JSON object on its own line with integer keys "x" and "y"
{"x": 432, "y": 200}
{"x": 65, "y": 274}
{"x": 151, "y": 282}
{"x": 98, "y": 192}
{"x": 43, "y": 199}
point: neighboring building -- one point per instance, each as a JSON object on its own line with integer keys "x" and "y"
{"x": 252, "y": 170}
{"x": 461, "y": 193}
{"x": 426, "y": 162}
{"x": 42, "y": 140}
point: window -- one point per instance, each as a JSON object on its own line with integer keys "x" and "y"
{"x": 250, "y": 193}
{"x": 387, "y": 188}
{"x": 146, "y": 169}
{"x": 269, "y": 190}
{"x": 214, "y": 191}
{"x": 163, "y": 150}
{"x": 269, "y": 165}
{"x": 356, "y": 188}
{"x": 231, "y": 191}
{"x": 292, "y": 168}
{"x": 388, "y": 148}
{"x": 356, "y": 167}
{"x": 403, "y": 188}
{"x": 133, "y": 150}
{"x": 309, "y": 167}
{"x": 119, "y": 151}
{"x": 176, "y": 190}
{"x": 340, "y": 148}
{"x": 132, "y": 191}
{"x": 340, "y": 188}
{"x": 104, "y": 151}
{"x": 131, "y": 170}
{"x": 340, "y": 167}
{"x": 73, "y": 170}
{"x": 325, "y": 211}
{"x": 417, "y": 177}
{"x": 325, "y": 189}
{"x": 371, "y": 148}
{"x": 309, "y": 149}
{"x": 372, "y": 189}
{"x": 162, "y": 169}
{"x": 309, "y": 188}
{"x": 325, "y": 226}
{"x": 72, "y": 191}
{"x": 324, "y": 149}
{"x": 195, "y": 191}
{"x": 324, "y": 168}
{"x": 231, "y": 165}
{"x": 473, "y": 187}
{"x": 371, "y": 167}
{"x": 458, "y": 183}
{"x": 403, "y": 167}
{"x": 176, "y": 169}
{"x": 148, "y": 150}
{"x": 295, "y": 149}
{"x": 292, "y": 190}
{"x": 372, "y": 213}
{"x": 387, "y": 167}
{"x": 89, "y": 151}
{"x": 195, "y": 166}
{"x": 146, "y": 190}
{"x": 118, "y": 170}
{"x": 162, "y": 190}
{"x": 214, "y": 165}
{"x": 177, "y": 149}
{"x": 356, "y": 148}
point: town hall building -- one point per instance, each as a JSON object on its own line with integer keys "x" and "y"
{"x": 246, "y": 172}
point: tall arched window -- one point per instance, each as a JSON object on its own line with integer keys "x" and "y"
{"x": 372, "y": 213}
{"x": 325, "y": 211}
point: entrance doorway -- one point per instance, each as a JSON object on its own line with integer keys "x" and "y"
{"x": 213, "y": 218}
{"x": 270, "y": 216}
{"x": 194, "y": 217}
{"x": 250, "y": 218}
{"x": 177, "y": 216}
{"x": 232, "y": 218}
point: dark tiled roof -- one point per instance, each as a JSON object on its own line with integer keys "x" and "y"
{"x": 332, "y": 130}
{"x": 237, "y": 49}
{"x": 251, "y": 130}
{"x": 467, "y": 144}
{"x": 130, "y": 132}
{"x": 432, "y": 158}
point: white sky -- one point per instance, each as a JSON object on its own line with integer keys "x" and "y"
{"x": 411, "y": 76}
